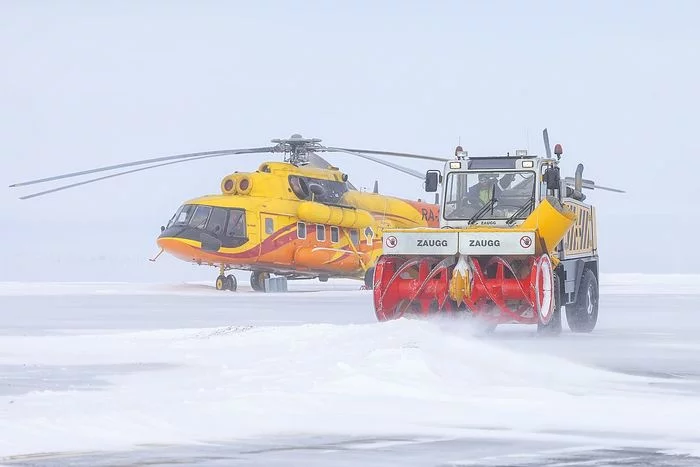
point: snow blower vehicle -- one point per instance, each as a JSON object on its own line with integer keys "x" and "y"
{"x": 515, "y": 243}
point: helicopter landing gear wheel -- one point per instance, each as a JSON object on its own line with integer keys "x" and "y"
{"x": 226, "y": 283}
{"x": 257, "y": 280}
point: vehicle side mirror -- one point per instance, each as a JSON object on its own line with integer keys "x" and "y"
{"x": 432, "y": 179}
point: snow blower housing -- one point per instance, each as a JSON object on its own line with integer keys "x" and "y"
{"x": 516, "y": 242}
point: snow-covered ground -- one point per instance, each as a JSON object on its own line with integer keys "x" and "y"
{"x": 114, "y": 366}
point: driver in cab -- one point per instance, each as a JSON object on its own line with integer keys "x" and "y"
{"x": 480, "y": 193}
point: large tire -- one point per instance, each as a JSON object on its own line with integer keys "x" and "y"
{"x": 553, "y": 327}
{"x": 582, "y": 316}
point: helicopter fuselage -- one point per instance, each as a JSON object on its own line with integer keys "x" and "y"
{"x": 290, "y": 220}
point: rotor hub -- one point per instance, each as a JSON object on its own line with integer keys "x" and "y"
{"x": 296, "y": 148}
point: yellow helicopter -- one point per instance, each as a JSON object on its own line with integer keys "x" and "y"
{"x": 296, "y": 219}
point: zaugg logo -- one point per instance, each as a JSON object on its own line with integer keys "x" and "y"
{"x": 484, "y": 242}
{"x": 423, "y": 242}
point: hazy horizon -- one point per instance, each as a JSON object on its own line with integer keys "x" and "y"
{"x": 91, "y": 84}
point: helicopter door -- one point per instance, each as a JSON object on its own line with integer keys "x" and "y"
{"x": 275, "y": 246}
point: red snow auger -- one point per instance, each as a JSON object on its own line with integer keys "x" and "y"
{"x": 515, "y": 243}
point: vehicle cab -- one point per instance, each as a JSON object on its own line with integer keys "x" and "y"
{"x": 498, "y": 191}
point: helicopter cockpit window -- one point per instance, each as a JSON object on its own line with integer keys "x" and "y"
{"x": 468, "y": 192}
{"x": 199, "y": 219}
{"x": 323, "y": 191}
{"x": 217, "y": 221}
{"x": 236, "y": 224}
{"x": 183, "y": 215}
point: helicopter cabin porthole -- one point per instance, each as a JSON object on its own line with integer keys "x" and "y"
{"x": 334, "y": 234}
{"x": 321, "y": 233}
{"x": 301, "y": 230}
{"x": 354, "y": 237}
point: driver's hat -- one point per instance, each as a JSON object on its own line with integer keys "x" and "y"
{"x": 484, "y": 177}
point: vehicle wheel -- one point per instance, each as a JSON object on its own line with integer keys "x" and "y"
{"x": 553, "y": 327}
{"x": 221, "y": 282}
{"x": 582, "y": 316}
{"x": 369, "y": 278}
{"x": 231, "y": 283}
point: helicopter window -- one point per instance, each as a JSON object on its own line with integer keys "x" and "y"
{"x": 236, "y": 223}
{"x": 334, "y": 234}
{"x": 217, "y": 220}
{"x": 301, "y": 230}
{"x": 323, "y": 191}
{"x": 321, "y": 233}
{"x": 354, "y": 237}
{"x": 269, "y": 225}
{"x": 199, "y": 219}
{"x": 183, "y": 215}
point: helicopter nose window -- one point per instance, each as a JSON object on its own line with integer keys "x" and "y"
{"x": 183, "y": 215}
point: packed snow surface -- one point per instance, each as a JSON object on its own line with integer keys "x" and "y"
{"x": 111, "y": 366}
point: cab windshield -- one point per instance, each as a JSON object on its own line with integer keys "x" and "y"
{"x": 467, "y": 192}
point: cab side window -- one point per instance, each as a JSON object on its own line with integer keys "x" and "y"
{"x": 334, "y": 234}
{"x": 301, "y": 230}
{"x": 269, "y": 225}
{"x": 321, "y": 233}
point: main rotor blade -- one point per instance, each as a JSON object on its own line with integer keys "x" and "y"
{"x": 93, "y": 180}
{"x": 389, "y": 153}
{"x": 195, "y": 155}
{"x": 591, "y": 185}
{"x": 398, "y": 167}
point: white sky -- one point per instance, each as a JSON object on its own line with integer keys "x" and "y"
{"x": 85, "y": 84}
